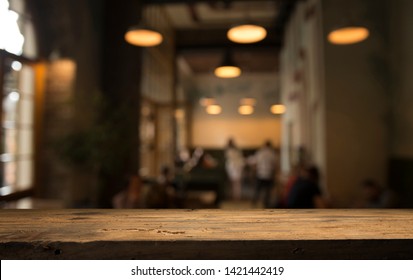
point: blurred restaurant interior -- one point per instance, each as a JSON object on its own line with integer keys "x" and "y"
{"x": 93, "y": 116}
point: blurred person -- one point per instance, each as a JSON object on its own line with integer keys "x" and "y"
{"x": 208, "y": 161}
{"x": 374, "y": 196}
{"x": 288, "y": 184}
{"x": 266, "y": 162}
{"x": 306, "y": 191}
{"x": 234, "y": 166}
{"x": 194, "y": 160}
{"x": 166, "y": 176}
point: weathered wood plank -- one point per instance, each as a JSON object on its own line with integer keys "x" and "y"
{"x": 203, "y": 234}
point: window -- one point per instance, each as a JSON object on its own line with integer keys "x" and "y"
{"x": 17, "y": 91}
{"x": 17, "y": 126}
{"x": 17, "y": 34}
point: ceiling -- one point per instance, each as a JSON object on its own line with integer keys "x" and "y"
{"x": 201, "y": 28}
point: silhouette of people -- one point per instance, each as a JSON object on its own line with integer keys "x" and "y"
{"x": 194, "y": 160}
{"x": 234, "y": 166}
{"x": 305, "y": 192}
{"x": 295, "y": 173}
{"x": 374, "y": 196}
{"x": 266, "y": 162}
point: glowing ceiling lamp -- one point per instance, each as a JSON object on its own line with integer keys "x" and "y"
{"x": 247, "y": 33}
{"x": 246, "y": 110}
{"x": 278, "y": 109}
{"x": 214, "y": 109}
{"x": 348, "y": 35}
{"x": 227, "y": 69}
{"x": 143, "y": 37}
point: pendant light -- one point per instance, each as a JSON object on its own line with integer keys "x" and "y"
{"x": 143, "y": 36}
{"x": 227, "y": 69}
{"x": 213, "y": 109}
{"x": 246, "y": 110}
{"x": 247, "y": 33}
{"x": 348, "y": 35}
{"x": 349, "y": 27}
{"x": 278, "y": 109}
{"x": 247, "y": 106}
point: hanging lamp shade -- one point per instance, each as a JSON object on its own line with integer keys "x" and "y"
{"x": 247, "y": 33}
{"x": 246, "y": 110}
{"x": 213, "y": 109}
{"x": 348, "y": 35}
{"x": 143, "y": 37}
{"x": 227, "y": 69}
{"x": 278, "y": 109}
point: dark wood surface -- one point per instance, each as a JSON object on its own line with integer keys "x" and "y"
{"x": 206, "y": 234}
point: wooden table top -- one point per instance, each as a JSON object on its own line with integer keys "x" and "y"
{"x": 203, "y": 225}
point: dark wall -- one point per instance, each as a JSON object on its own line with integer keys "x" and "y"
{"x": 401, "y": 181}
{"x": 121, "y": 74}
{"x": 104, "y": 99}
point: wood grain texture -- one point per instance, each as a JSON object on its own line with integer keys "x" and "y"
{"x": 206, "y": 234}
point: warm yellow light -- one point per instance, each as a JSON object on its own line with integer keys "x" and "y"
{"x": 348, "y": 35}
{"x": 214, "y": 109}
{"x": 227, "y": 72}
{"x": 143, "y": 37}
{"x": 246, "y": 34}
{"x": 246, "y": 109}
{"x": 248, "y": 101}
{"x": 278, "y": 109}
{"x": 179, "y": 114}
{"x": 206, "y": 101}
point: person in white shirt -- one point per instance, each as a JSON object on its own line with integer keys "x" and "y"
{"x": 234, "y": 165}
{"x": 266, "y": 162}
